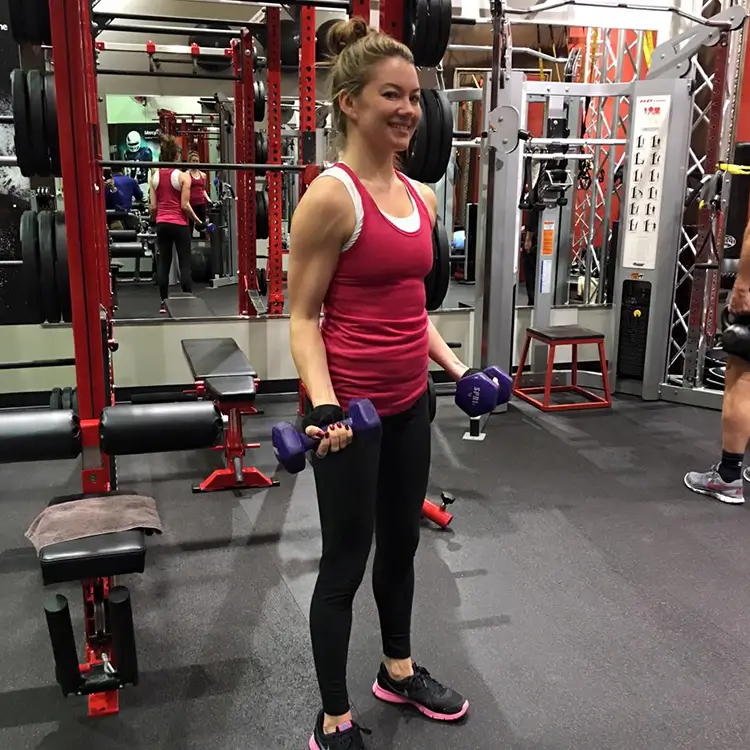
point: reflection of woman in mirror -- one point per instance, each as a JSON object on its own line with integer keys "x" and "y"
{"x": 199, "y": 199}
{"x": 169, "y": 197}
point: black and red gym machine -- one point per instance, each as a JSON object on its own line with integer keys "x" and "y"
{"x": 78, "y": 276}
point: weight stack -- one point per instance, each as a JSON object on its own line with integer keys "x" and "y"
{"x": 634, "y": 313}
{"x": 739, "y": 197}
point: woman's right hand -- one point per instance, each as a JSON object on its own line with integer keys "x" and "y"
{"x": 324, "y": 423}
{"x": 332, "y": 440}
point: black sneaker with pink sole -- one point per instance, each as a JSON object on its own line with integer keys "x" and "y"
{"x": 423, "y": 692}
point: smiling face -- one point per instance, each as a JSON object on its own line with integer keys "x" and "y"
{"x": 386, "y": 111}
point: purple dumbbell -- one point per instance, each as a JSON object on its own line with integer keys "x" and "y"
{"x": 290, "y": 446}
{"x": 478, "y": 394}
{"x": 504, "y": 383}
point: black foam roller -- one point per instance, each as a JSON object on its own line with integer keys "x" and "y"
{"x": 39, "y": 435}
{"x": 123, "y": 635}
{"x": 131, "y": 429}
{"x": 63, "y": 643}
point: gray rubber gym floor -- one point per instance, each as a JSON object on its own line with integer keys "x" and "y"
{"x": 584, "y": 599}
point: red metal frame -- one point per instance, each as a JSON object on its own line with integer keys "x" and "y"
{"x": 594, "y": 401}
{"x": 361, "y": 9}
{"x": 274, "y": 265}
{"x": 88, "y": 261}
{"x": 392, "y": 18}
{"x": 244, "y": 153}
{"x": 307, "y": 95}
{"x": 234, "y": 448}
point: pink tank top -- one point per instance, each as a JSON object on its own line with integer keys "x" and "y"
{"x": 374, "y": 318}
{"x": 197, "y": 190}
{"x": 169, "y": 201}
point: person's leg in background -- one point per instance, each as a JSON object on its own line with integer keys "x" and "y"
{"x": 529, "y": 274}
{"x": 183, "y": 244}
{"x": 402, "y": 486}
{"x": 346, "y": 485}
{"x": 724, "y": 480}
{"x": 164, "y": 241}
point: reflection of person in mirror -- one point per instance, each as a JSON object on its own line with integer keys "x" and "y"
{"x": 135, "y": 151}
{"x": 529, "y": 253}
{"x": 119, "y": 191}
{"x": 170, "y": 208}
{"x": 199, "y": 199}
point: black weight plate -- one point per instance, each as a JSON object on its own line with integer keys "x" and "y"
{"x": 442, "y": 25}
{"x": 261, "y": 215}
{"x": 416, "y": 155}
{"x": 43, "y": 22}
{"x": 211, "y": 41}
{"x": 259, "y": 101}
{"x": 47, "y": 263}
{"x": 420, "y": 40}
{"x": 429, "y": 280}
{"x": 50, "y": 123}
{"x": 432, "y": 33}
{"x": 431, "y": 397}
{"x": 322, "y": 50}
{"x": 55, "y": 399}
{"x": 262, "y": 282}
{"x": 67, "y": 398}
{"x": 446, "y": 124}
{"x": 18, "y": 21}
{"x": 74, "y": 400}
{"x": 30, "y": 268}
{"x": 61, "y": 268}
{"x": 431, "y": 169}
{"x": 442, "y": 263}
{"x": 21, "y": 125}
{"x": 290, "y": 43}
{"x": 35, "y": 89}
{"x": 261, "y": 148}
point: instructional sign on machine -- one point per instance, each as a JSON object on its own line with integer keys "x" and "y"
{"x": 642, "y": 205}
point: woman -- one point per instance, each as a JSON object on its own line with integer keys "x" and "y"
{"x": 360, "y": 247}
{"x": 199, "y": 199}
{"x": 169, "y": 197}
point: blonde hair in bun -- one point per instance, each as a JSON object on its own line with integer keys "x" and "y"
{"x": 356, "y": 48}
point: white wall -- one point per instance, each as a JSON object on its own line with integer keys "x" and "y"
{"x": 150, "y": 352}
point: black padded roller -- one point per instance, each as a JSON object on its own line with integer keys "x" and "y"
{"x": 43, "y": 435}
{"x": 126, "y": 250}
{"x": 123, "y": 637}
{"x": 63, "y": 643}
{"x": 122, "y": 235}
{"x": 131, "y": 429}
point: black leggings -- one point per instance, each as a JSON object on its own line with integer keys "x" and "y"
{"x": 200, "y": 211}
{"x": 178, "y": 235}
{"x": 377, "y": 483}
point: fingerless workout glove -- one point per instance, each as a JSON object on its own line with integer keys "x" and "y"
{"x": 470, "y": 371}
{"x": 322, "y": 416}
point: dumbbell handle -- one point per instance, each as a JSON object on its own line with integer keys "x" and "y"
{"x": 312, "y": 443}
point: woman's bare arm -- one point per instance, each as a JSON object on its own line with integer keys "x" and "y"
{"x": 321, "y": 224}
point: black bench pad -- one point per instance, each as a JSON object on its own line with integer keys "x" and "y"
{"x": 561, "y": 333}
{"x": 188, "y": 307}
{"x": 216, "y": 358}
{"x": 238, "y": 388}
{"x": 103, "y": 555}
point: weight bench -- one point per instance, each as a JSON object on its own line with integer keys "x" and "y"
{"x": 186, "y": 306}
{"x": 221, "y": 372}
{"x": 554, "y": 336}
{"x": 110, "y": 661}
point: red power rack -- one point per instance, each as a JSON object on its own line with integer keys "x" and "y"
{"x": 244, "y": 148}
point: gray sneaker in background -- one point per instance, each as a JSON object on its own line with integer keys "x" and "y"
{"x": 710, "y": 483}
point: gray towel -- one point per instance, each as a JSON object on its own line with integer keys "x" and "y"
{"x": 91, "y": 516}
